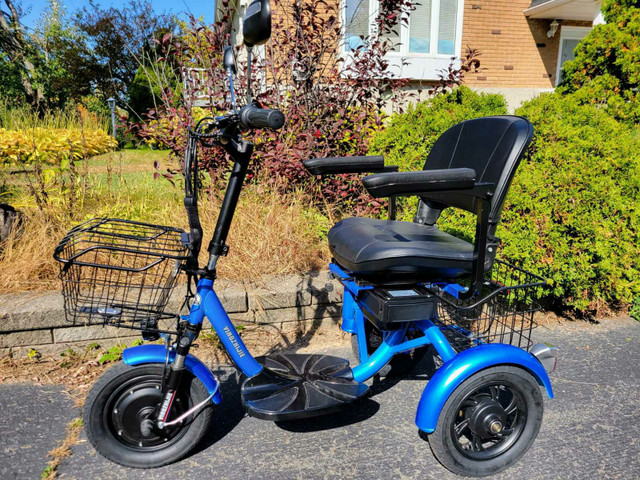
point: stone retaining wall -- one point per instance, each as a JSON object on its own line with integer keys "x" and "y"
{"x": 299, "y": 303}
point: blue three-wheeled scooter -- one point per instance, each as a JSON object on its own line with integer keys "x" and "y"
{"x": 407, "y": 286}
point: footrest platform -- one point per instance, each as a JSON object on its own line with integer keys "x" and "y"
{"x": 294, "y": 386}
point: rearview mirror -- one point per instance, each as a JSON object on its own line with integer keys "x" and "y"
{"x": 256, "y": 27}
{"x": 229, "y": 60}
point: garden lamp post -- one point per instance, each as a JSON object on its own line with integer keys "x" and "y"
{"x": 112, "y": 105}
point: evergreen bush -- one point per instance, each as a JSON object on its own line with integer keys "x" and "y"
{"x": 573, "y": 212}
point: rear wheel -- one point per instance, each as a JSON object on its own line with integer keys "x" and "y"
{"x": 400, "y": 364}
{"x": 489, "y": 422}
{"x": 119, "y": 409}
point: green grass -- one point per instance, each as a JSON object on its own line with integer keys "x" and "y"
{"x": 131, "y": 159}
{"x": 118, "y": 184}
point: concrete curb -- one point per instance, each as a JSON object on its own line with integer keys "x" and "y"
{"x": 36, "y": 319}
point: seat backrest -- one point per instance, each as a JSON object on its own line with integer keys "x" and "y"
{"x": 492, "y": 146}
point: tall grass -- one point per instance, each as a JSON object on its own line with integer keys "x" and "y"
{"x": 74, "y": 116}
{"x": 270, "y": 235}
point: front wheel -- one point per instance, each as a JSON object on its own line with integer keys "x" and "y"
{"x": 489, "y": 422}
{"x": 118, "y": 412}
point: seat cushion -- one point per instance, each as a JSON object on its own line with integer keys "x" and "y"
{"x": 385, "y": 250}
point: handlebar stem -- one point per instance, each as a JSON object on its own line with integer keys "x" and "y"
{"x": 240, "y": 150}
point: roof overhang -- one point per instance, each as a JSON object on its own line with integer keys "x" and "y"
{"x": 581, "y": 10}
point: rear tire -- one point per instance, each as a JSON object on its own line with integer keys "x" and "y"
{"x": 124, "y": 396}
{"x": 464, "y": 441}
{"x": 400, "y": 364}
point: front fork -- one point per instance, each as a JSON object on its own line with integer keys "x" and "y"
{"x": 171, "y": 383}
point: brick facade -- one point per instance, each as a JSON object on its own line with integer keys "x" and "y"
{"x": 516, "y": 51}
{"x": 516, "y": 54}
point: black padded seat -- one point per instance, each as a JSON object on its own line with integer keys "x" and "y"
{"x": 388, "y": 251}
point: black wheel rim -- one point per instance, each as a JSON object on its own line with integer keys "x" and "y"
{"x": 489, "y": 421}
{"x": 132, "y": 404}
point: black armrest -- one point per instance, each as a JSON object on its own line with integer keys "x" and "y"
{"x": 338, "y": 165}
{"x": 423, "y": 182}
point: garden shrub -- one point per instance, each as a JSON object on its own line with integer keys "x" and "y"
{"x": 52, "y": 146}
{"x": 606, "y": 67}
{"x": 573, "y": 212}
{"x": 331, "y": 106}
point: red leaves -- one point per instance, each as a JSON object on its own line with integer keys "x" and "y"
{"x": 331, "y": 106}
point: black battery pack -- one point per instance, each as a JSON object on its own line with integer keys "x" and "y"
{"x": 388, "y": 308}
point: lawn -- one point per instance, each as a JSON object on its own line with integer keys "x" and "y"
{"x": 271, "y": 234}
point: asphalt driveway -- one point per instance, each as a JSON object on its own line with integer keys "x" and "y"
{"x": 590, "y": 430}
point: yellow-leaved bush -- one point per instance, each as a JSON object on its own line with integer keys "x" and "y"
{"x": 52, "y": 145}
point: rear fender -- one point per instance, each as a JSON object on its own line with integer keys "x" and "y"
{"x": 465, "y": 364}
{"x": 144, "y": 354}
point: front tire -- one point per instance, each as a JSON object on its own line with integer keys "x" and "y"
{"x": 489, "y": 422}
{"x": 119, "y": 402}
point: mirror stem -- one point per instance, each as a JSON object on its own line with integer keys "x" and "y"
{"x": 249, "y": 55}
{"x": 232, "y": 90}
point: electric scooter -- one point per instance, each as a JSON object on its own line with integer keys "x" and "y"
{"x": 407, "y": 286}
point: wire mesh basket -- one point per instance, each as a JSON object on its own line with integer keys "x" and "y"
{"x": 119, "y": 272}
{"x": 502, "y": 313}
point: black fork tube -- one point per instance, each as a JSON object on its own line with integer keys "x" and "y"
{"x": 241, "y": 153}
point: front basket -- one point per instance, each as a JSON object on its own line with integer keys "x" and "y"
{"x": 119, "y": 272}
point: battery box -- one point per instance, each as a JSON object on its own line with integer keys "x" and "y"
{"x": 388, "y": 308}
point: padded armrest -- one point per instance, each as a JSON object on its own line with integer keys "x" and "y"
{"x": 384, "y": 185}
{"x": 338, "y": 165}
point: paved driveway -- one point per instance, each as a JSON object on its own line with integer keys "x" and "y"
{"x": 591, "y": 429}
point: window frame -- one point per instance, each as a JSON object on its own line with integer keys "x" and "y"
{"x": 413, "y": 65}
{"x": 568, "y": 32}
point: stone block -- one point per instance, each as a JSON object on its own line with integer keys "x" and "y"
{"x": 279, "y": 292}
{"x": 31, "y": 311}
{"x": 232, "y": 296}
{"x": 30, "y": 337}
{"x": 324, "y": 310}
{"x": 312, "y": 312}
{"x": 91, "y": 332}
{"x": 323, "y": 288}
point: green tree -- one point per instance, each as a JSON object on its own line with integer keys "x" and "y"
{"x": 120, "y": 39}
{"x": 606, "y": 68}
{"x": 17, "y": 51}
{"x": 62, "y": 60}
{"x": 45, "y": 67}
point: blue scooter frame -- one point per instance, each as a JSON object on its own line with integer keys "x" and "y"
{"x": 455, "y": 370}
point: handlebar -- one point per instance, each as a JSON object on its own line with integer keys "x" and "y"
{"x": 253, "y": 116}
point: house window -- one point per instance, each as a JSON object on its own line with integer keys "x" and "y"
{"x": 357, "y": 20}
{"x": 569, "y": 39}
{"x": 421, "y": 46}
{"x": 420, "y": 28}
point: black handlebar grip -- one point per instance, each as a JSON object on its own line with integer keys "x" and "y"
{"x": 253, "y": 116}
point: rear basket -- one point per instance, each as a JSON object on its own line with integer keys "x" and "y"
{"x": 502, "y": 313}
{"x": 118, "y": 272}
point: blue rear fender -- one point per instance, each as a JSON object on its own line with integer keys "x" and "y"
{"x": 455, "y": 371}
{"x": 157, "y": 353}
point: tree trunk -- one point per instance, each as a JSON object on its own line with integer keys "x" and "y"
{"x": 14, "y": 45}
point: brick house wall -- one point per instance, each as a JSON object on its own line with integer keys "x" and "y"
{"x": 516, "y": 51}
{"x": 517, "y": 58}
